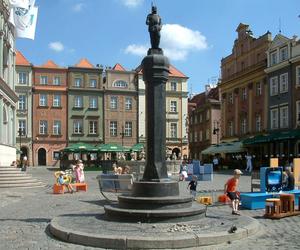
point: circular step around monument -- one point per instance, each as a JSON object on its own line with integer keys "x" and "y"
{"x": 167, "y": 202}
{"x": 155, "y": 189}
{"x": 113, "y": 212}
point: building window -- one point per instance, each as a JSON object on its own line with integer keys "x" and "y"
{"x": 244, "y": 126}
{"x": 273, "y": 58}
{"x": 244, "y": 94}
{"x": 284, "y": 123}
{"x": 258, "y": 123}
{"x": 196, "y": 118}
{"x": 274, "y": 86}
{"x": 298, "y": 75}
{"x": 174, "y": 130}
{"x": 93, "y": 125}
{"x": 93, "y": 102}
{"x": 200, "y": 118}
{"x": 207, "y": 134}
{"x": 77, "y": 82}
{"x": 56, "y": 101}
{"x": 22, "y": 126}
{"x": 173, "y": 86}
{"x": 56, "y": 80}
{"x": 120, "y": 84}
{"x": 43, "y": 100}
{"x": 128, "y": 103}
{"x": 207, "y": 115}
{"x": 201, "y": 136}
{"x": 230, "y": 99}
{"x": 77, "y": 127}
{"x": 57, "y": 127}
{"x": 128, "y": 129}
{"x": 43, "y": 127}
{"x": 113, "y": 128}
{"x": 173, "y": 106}
{"x": 22, "y": 102}
{"x": 113, "y": 102}
{"x": 93, "y": 83}
{"x": 298, "y": 112}
{"x": 258, "y": 89}
{"x": 44, "y": 80}
{"x": 284, "y": 83}
{"x": 23, "y": 78}
{"x": 230, "y": 128}
{"x": 78, "y": 102}
{"x": 283, "y": 54}
{"x": 196, "y": 136}
{"x": 56, "y": 155}
{"x": 274, "y": 118}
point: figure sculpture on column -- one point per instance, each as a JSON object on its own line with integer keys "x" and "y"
{"x": 154, "y": 23}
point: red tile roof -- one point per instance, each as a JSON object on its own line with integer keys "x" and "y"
{"x": 50, "y": 64}
{"x": 119, "y": 67}
{"x": 84, "y": 63}
{"x": 21, "y": 60}
{"x": 175, "y": 72}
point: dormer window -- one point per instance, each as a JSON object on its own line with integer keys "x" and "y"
{"x": 120, "y": 84}
{"x": 273, "y": 58}
{"x": 283, "y": 54}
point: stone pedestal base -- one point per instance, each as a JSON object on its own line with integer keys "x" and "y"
{"x": 153, "y": 202}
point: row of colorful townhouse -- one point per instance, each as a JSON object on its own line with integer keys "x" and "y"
{"x": 256, "y": 103}
{"x": 59, "y": 106}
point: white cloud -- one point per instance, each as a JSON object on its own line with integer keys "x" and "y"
{"x": 177, "y": 42}
{"x": 132, "y": 3}
{"x": 78, "y": 7}
{"x": 56, "y": 46}
{"x": 138, "y": 50}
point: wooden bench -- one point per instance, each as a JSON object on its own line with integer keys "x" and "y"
{"x": 255, "y": 180}
{"x": 60, "y": 189}
{"x": 114, "y": 184}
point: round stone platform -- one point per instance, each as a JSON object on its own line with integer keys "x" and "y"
{"x": 93, "y": 229}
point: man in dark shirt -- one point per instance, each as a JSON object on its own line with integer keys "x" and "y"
{"x": 290, "y": 179}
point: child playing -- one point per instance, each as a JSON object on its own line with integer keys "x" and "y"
{"x": 193, "y": 186}
{"x": 230, "y": 188}
{"x": 61, "y": 181}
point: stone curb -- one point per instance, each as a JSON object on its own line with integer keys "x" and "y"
{"x": 139, "y": 242}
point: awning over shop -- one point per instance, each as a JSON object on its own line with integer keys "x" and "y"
{"x": 225, "y": 147}
{"x": 137, "y": 147}
{"x": 273, "y": 136}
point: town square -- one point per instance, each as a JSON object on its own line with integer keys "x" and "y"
{"x": 135, "y": 124}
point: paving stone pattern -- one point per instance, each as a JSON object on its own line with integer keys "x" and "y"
{"x": 25, "y": 215}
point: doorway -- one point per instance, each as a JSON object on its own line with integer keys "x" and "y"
{"x": 42, "y": 157}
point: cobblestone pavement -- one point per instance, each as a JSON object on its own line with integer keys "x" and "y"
{"x": 25, "y": 215}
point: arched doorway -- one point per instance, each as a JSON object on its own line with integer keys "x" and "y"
{"x": 42, "y": 157}
{"x": 24, "y": 152}
{"x": 176, "y": 151}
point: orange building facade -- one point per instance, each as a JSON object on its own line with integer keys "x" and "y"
{"x": 49, "y": 120}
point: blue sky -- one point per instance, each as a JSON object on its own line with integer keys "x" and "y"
{"x": 196, "y": 34}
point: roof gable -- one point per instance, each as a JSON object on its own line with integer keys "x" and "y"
{"x": 278, "y": 41}
{"x": 49, "y": 64}
{"x": 84, "y": 63}
{"x": 21, "y": 59}
{"x": 119, "y": 67}
{"x": 175, "y": 72}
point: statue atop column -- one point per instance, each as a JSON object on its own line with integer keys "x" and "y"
{"x": 154, "y": 22}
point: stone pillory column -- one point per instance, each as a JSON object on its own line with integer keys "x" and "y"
{"x": 155, "y": 73}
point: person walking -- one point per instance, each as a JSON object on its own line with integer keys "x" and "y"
{"x": 230, "y": 189}
{"x": 193, "y": 186}
{"x": 249, "y": 163}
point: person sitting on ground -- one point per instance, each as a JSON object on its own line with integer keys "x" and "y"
{"x": 230, "y": 188}
{"x": 193, "y": 186}
{"x": 290, "y": 180}
{"x": 62, "y": 181}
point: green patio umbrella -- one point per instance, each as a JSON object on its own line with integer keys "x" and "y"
{"x": 138, "y": 147}
{"x": 112, "y": 148}
{"x": 80, "y": 147}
